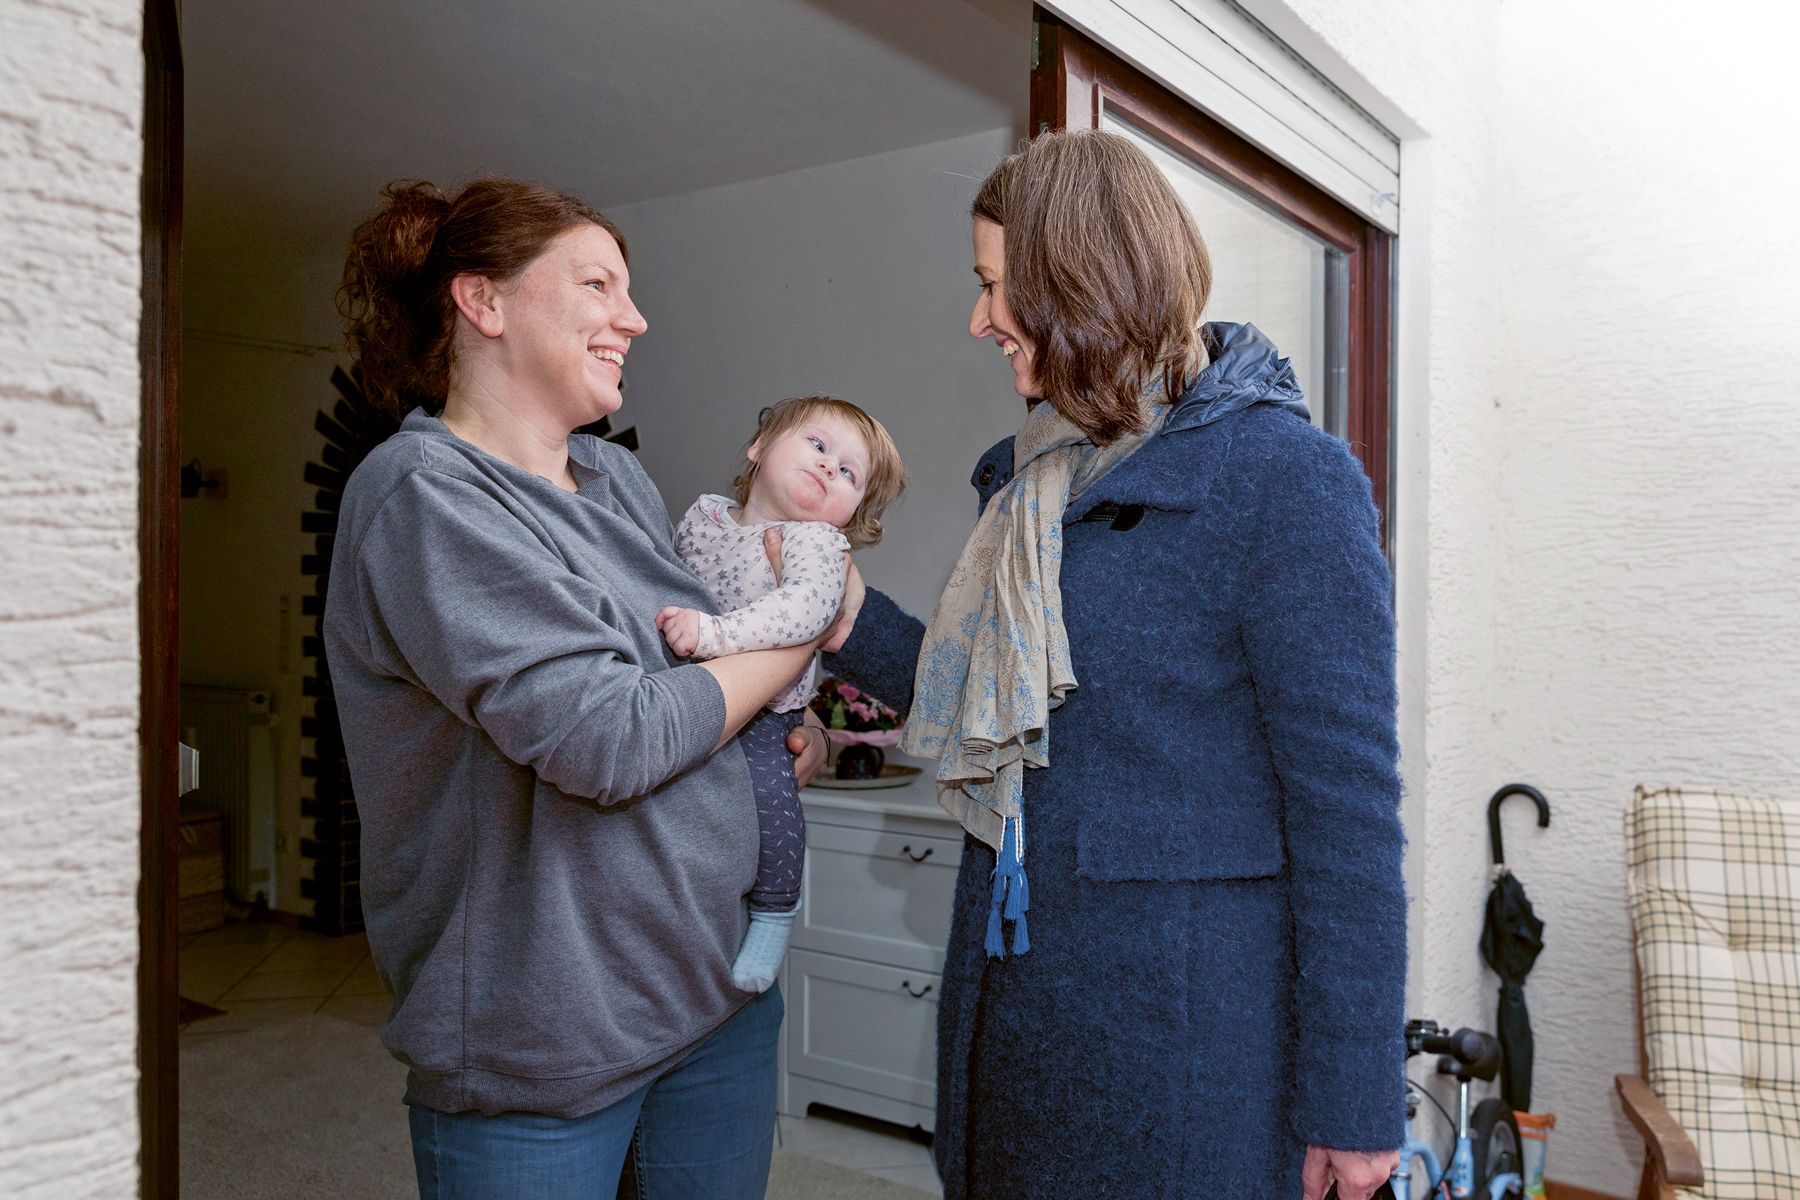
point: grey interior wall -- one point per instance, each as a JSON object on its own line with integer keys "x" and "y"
{"x": 851, "y": 279}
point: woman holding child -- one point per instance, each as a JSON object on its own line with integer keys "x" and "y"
{"x": 1161, "y": 679}
{"x": 558, "y": 826}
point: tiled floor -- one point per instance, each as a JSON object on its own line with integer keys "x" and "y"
{"x": 263, "y": 974}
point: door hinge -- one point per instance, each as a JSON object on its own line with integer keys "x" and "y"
{"x": 187, "y": 768}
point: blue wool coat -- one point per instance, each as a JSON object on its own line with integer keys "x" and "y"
{"x": 1217, "y": 957}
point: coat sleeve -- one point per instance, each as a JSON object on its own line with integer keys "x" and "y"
{"x": 460, "y": 597}
{"x": 882, "y": 653}
{"x": 1318, "y": 630}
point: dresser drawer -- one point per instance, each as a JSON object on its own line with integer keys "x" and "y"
{"x": 863, "y": 1026}
{"x": 877, "y": 895}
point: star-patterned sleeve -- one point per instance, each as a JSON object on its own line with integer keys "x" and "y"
{"x": 811, "y": 592}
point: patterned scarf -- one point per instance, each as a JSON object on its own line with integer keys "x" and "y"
{"x": 995, "y": 659}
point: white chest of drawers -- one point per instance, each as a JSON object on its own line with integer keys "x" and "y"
{"x": 862, "y": 975}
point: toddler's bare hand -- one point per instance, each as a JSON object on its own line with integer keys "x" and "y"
{"x": 681, "y": 629}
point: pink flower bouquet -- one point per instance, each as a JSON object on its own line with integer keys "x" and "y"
{"x": 852, "y": 717}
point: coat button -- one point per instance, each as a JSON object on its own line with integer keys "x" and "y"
{"x": 987, "y": 474}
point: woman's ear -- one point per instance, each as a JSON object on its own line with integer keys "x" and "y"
{"x": 478, "y": 300}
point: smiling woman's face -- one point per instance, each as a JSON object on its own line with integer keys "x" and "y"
{"x": 568, "y": 324}
{"x": 992, "y": 318}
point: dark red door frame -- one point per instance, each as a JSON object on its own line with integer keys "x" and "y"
{"x": 1074, "y": 80}
{"x": 158, "y": 597}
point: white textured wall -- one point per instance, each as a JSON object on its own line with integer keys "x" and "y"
{"x": 1650, "y": 407}
{"x": 70, "y": 152}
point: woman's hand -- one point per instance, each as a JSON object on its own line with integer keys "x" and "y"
{"x": 1358, "y": 1173}
{"x": 807, "y": 745}
{"x": 854, "y": 590}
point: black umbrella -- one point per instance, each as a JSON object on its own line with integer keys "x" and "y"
{"x": 1511, "y": 939}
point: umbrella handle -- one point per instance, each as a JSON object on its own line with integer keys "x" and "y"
{"x": 1513, "y": 789}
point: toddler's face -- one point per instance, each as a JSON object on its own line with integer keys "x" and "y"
{"x": 817, "y": 471}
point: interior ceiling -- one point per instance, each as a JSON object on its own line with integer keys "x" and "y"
{"x": 297, "y": 113}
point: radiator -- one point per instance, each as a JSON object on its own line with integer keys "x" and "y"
{"x": 232, "y": 728}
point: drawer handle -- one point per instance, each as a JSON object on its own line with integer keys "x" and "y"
{"x": 907, "y": 983}
{"x": 907, "y": 850}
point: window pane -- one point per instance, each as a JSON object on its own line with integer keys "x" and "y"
{"x": 1267, "y": 272}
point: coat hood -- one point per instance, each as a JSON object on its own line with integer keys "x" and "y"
{"x": 1245, "y": 370}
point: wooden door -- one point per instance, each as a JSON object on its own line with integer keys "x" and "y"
{"x": 159, "y": 549}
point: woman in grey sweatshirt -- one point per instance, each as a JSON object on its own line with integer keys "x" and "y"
{"x": 557, "y": 827}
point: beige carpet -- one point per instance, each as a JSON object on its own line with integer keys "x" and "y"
{"x": 797, "y": 1177}
{"x": 311, "y": 1108}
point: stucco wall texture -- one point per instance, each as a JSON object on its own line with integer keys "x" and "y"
{"x": 1650, "y": 625}
{"x": 71, "y": 98}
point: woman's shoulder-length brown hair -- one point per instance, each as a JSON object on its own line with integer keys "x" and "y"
{"x": 1105, "y": 273}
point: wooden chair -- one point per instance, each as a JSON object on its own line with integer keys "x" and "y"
{"x": 1670, "y": 1159}
{"x": 1715, "y": 907}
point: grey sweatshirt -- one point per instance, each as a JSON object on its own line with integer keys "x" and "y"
{"x": 553, "y": 869}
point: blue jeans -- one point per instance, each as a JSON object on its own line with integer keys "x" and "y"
{"x": 705, "y": 1130}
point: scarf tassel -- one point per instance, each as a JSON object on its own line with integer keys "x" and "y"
{"x": 1012, "y": 897}
{"x": 996, "y": 947}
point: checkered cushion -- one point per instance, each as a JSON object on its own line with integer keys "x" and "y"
{"x": 1715, "y": 902}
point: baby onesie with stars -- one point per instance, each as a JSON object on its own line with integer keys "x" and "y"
{"x": 757, "y": 614}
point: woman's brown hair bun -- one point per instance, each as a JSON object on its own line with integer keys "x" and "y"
{"x": 381, "y": 292}
{"x": 399, "y": 316}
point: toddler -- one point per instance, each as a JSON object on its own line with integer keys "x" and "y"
{"x": 823, "y": 471}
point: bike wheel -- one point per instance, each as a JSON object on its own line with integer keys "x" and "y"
{"x": 1495, "y": 1134}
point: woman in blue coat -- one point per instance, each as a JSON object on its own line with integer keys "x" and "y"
{"x": 1161, "y": 680}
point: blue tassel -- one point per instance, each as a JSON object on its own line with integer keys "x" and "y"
{"x": 1018, "y": 896}
{"x": 1012, "y": 896}
{"x": 996, "y": 946}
